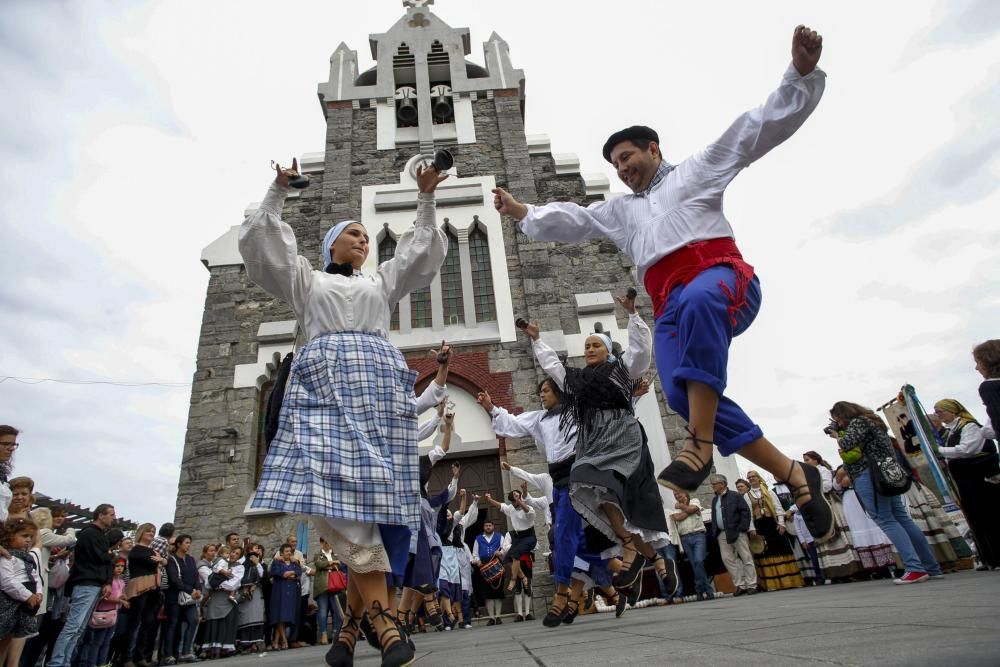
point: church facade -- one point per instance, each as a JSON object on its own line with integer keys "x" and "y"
{"x": 423, "y": 93}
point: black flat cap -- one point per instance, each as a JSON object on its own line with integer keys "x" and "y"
{"x": 629, "y": 134}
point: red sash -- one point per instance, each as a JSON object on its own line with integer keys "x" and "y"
{"x": 683, "y": 265}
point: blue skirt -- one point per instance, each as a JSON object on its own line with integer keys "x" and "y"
{"x": 346, "y": 446}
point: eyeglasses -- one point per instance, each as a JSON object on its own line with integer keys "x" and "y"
{"x": 10, "y": 445}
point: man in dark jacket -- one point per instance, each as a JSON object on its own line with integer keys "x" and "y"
{"x": 732, "y": 521}
{"x": 89, "y": 581}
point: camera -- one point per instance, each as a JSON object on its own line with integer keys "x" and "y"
{"x": 832, "y": 428}
{"x": 521, "y": 323}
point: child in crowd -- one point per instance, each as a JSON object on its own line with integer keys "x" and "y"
{"x": 20, "y": 584}
{"x": 222, "y": 566}
{"x": 95, "y": 648}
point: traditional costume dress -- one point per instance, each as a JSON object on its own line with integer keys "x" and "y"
{"x": 972, "y": 457}
{"x": 346, "y": 450}
{"x": 683, "y": 247}
{"x": 776, "y": 565}
{"x": 219, "y": 614}
{"x": 837, "y": 557}
{"x": 871, "y": 544}
{"x": 942, "y": 534}
{"x": 612, "y": 462}
{"x": 250, "y": 611}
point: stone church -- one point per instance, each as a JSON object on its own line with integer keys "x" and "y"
{"x": 423, "y": 93}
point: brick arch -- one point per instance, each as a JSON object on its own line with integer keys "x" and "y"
{"x": 469, "y": 372}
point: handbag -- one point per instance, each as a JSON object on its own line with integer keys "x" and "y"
{"x": 138, "y": 585}
{"x": 103, "y": 619}
{"x": 336, "y": 581}
{"x": 184, "y": 599}
{"x": 59, "y": 574}
{"x": 889, "y": 476}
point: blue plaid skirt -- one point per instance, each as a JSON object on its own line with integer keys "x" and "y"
{"x": 346, "y": 446}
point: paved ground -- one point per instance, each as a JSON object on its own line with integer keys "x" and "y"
{"x": 953, "y": 621}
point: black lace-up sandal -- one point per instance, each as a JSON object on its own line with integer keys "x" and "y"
{"x": 625, "y": 578}
{"x": 687, "y": 471}
{"x": 341, "y": 651}
{"x": 398, "y": 653}
{"x": 553, "y": 618}
{"x": 816, "y": 511}
{"x": 668, "y": 576}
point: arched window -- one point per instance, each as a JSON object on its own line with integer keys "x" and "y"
{"x": 386, "y": 251}
{"x": 451, "y": 283}
{"x": 482, "y": 276}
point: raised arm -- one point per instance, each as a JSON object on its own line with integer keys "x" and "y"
{"x": 421, "y": 249}
{"x": 639, "y": 353}
{"x": 426, "y": 430}
{"x": 469, "y": 518}
{"x": 542, "y": 482}
{"x": 506, "y": 425}
{"x": 437, "y": 390}
{"x": 546, "y": 356}
{"x": 757, "y": 131}
{"x": 269, "y": 250}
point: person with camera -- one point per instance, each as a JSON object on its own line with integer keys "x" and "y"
{"x": 866, "y": 449}
{"x": 704, "y": 294}
{"x": 345, "y": 452}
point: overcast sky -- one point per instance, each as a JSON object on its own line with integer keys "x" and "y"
{"x": 134, "y": 134}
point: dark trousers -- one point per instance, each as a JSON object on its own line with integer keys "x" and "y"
{"x": 174, "y": 643}
{"x": 142, "y": 624}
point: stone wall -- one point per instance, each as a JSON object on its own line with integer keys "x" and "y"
{"x": 544, "y": 278}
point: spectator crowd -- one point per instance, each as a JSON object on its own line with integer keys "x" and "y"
{"x": 98, "y": 596}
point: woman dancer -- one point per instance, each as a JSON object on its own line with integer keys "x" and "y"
{"x": 557, "y": 442}
{"x": 612, "y": 483}
{"x": 346, "y": 450}
{"x": 776, "y": 565}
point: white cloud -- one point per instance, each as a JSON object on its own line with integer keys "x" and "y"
{"x": 139, "y": 136}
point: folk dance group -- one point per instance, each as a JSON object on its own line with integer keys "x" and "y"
{"x": 346, "y": 448}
